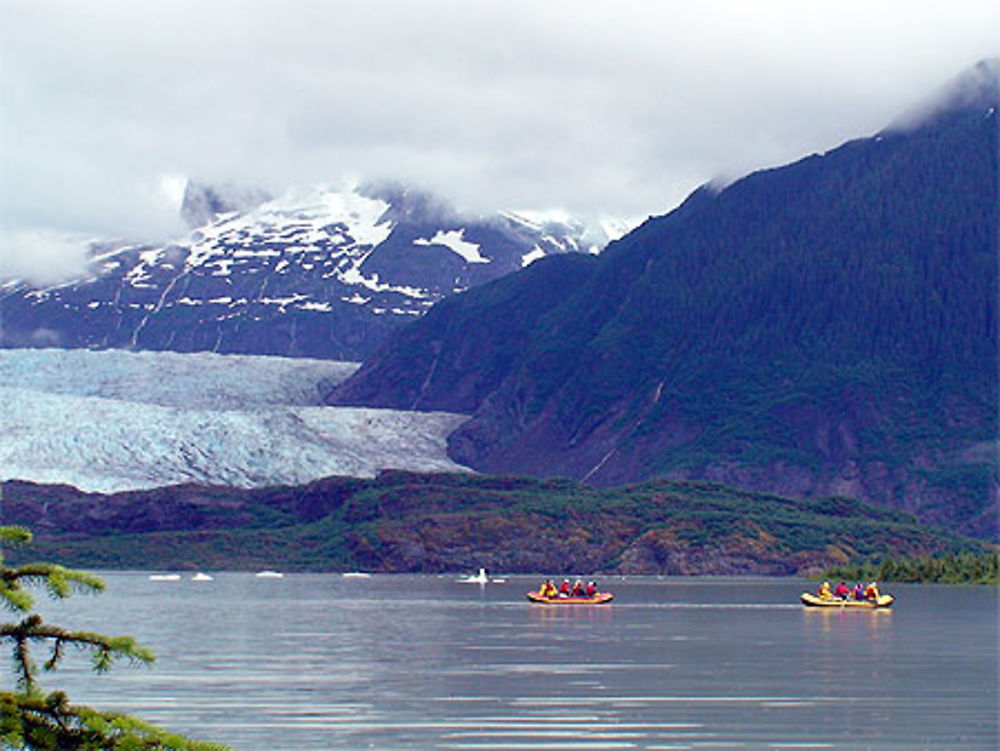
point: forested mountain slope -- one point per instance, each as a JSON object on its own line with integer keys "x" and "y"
{"x": 824, "y": 327}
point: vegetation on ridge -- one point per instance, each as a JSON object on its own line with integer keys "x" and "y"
{"x": 960, "y": 568}
{"x": 409, "y": 522}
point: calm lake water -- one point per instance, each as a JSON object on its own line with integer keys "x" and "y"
{"x": 312, "y": 662}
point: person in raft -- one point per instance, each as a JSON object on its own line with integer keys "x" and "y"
{"x": 591, "y": 589}
{"x": 842, "y": 592}
{"x": 871, "y": 592}
{"x": 578, "y": 588}
{"x": 859, "y": 591}
{"x": 548, "y": 589}
{"x": 564, "y": 589}
{"x": 824, "y": 591}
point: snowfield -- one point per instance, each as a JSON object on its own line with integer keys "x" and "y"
{"x": 112, "y": 420}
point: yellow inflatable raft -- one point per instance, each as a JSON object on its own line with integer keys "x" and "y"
{"x": 813, "y": 601}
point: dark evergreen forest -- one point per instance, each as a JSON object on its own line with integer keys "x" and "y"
{"x": 823, "y": 327}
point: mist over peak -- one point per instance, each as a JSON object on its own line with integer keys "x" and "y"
{"x": 43, "y": 256}
{"x": 976, "y": 89}
{"x": 204, "y": 202}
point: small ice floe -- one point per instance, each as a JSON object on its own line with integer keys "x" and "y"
{"x": 356, "y": 575}
{"x": 269, "y": 575}
{"x": 200, "y": 577}
{"x": 481, "y": 578}
{"x": 164, "y": 577}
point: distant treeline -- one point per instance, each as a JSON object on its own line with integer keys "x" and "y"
{"x": 961, "y": 568}
{"x": 408, "y": 522}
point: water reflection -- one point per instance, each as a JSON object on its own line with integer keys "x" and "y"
{"x": 854, "y": 620}
{"x": 559, "y": 614}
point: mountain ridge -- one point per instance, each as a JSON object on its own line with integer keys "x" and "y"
{"x": 319, "y": 271}
{"x": 826, "y": 326}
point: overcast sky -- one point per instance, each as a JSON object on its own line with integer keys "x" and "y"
{"x": 618, "y": 108}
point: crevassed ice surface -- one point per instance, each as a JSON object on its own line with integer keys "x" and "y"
{"x": 110, "y": 421}
{"x": 200, "y": 380}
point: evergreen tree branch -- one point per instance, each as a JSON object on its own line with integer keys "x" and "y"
{"x": 32, "y": 721}
{"x": 105, "y": 650}
{"x": 51, "y": 723}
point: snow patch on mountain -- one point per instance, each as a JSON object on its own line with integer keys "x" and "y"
{"x": 590, "y": 236}
{"x": 303, "y": 219}
{"x": 614, "y": 228}
{"x": 528, "y": 258}
{"x": 110, "y": 421}
{"x": 320, "y": 271}
{"x": 455, "y": 241}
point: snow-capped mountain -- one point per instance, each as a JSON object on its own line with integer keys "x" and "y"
{"x": 111, "y": 421}
{"x": 317, "y": 272}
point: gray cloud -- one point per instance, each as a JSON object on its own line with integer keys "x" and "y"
{"x": 616, "y": 108}
{"x": 44, "y": 256}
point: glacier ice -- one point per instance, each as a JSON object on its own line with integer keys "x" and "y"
{"x": 106, "y": 421}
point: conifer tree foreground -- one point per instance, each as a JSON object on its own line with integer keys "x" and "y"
{"x": 33, "y": 720}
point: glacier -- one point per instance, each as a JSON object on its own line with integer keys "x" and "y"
{"x": 107, "y": 421}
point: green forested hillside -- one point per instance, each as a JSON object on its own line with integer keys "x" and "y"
{"x": 828, "y": 327}
{"x": 962, "y": 568}
{"x": 440, "y": 522}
